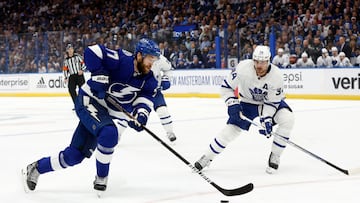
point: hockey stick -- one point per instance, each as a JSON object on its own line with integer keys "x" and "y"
{"x": 232, "y": 192}
{"x": 347, "y": 172}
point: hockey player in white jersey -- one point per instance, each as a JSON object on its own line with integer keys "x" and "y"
{"x": 281, "y": 59}
{"x": 305, "y": 61}
{"x": 260, "y": 86}
{"x": 344, "y": 61}
{"x": 324, "y": 60}
{"x": 161, "y": 69}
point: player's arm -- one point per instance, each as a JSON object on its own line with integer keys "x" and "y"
{"x": 99, "y": 80}
{"x": 142, "y": 106}
{"x": 165, "y": 67}
{"x": 227, "y": 93}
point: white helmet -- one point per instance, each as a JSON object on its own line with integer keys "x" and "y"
{"x": 262, "y": 53}
{"x": 162, "y": 63}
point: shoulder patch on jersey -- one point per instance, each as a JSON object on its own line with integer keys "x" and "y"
{"x": 127, "y": 53}
{"x": 97, "y": 50}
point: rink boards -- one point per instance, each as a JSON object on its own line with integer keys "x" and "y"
{"x": 301, "y": 83}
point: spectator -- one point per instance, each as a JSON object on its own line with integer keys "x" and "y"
{"x": 205, "y": 42}
{"x": 307, "y": 48}
{"x": 211, "y": 63}
{"x": 164, "y": 50}
{"x": 193, "y": 51}
{"x": 181, "y": 62}
{"x": 307, "y": 21}
{"x": 196, "y": 63}
{"x": 344, "y": 47}
{"x": 317, "y": 49}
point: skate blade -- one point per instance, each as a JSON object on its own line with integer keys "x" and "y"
{"x": 270, "y": 170}
{"x": 99, "y": 193}
{"x": 24, "y": 180}
{"x": 171, "y": 143}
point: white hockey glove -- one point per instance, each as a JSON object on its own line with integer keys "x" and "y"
{"x": 266, "y": 122}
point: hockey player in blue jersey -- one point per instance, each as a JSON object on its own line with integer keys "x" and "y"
{"x": 125, "y": 77}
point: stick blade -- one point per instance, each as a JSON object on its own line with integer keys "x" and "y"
{"x": 238, "y": 191}
{"x": 354, "y": 171}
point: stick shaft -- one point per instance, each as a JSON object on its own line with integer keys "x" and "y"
{"x": 298, "y": 147}
{"x": 238, "y": 191}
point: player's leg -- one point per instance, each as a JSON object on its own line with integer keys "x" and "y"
{"x": 164, "y": 115}
{"x": 82, "y": 145}
{"x": 227, "y": 135}
{"x": 107, "y": 140}
{"x": 284, "y": 118}
{"x": 97, "y": 120}
{"x": 218, "y": 144}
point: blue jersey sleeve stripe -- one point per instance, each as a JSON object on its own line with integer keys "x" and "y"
{"x": 97, "y": 51}
{"x": 225, "y": 84}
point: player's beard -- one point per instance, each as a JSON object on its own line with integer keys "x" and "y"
{"x": 261, "y": 71}
{"x": 141, "y": 67}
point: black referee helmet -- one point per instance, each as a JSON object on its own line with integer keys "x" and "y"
{"x": 68, "y": 46}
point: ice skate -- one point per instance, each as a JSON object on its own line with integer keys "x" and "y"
{"x": 100, "y": 184}
{"x": 171, "y": 136}
{"x": 202, "y": 162}
{"x": 273, "y": 163}
{"x": 30, "y": 176}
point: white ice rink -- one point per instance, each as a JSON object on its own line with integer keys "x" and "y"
{"x": 144, "y": 171}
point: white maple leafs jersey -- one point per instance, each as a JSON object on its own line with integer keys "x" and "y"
{"x": 266, "y": 90}
{"x": 324, "y": 61}
{"x": 161, "y": 68}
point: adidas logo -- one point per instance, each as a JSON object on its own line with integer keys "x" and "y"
{"x": 41, "y": 83}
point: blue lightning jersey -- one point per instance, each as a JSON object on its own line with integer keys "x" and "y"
{"x": 130, "y": 89}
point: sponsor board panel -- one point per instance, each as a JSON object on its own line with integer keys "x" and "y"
{"x": 337, "y": 81}
{"x": 298, "y": 83}
{"x": 197, "y": 81}
{"x": 11, "y": 82}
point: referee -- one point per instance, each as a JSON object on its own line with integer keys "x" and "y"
{"x": 73, "y": 69}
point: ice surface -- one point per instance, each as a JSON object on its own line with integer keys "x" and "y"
{"x": 144, "y": 171}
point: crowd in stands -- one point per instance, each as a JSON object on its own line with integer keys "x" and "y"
{"x": 34, "y": 33}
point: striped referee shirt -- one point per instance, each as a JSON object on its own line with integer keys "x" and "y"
{"x": 73, "y": 64}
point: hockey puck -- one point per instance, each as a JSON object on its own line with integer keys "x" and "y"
{"x": 224, "y": 201}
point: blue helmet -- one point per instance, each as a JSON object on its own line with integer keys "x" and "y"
{"x": 147, "y": 46}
